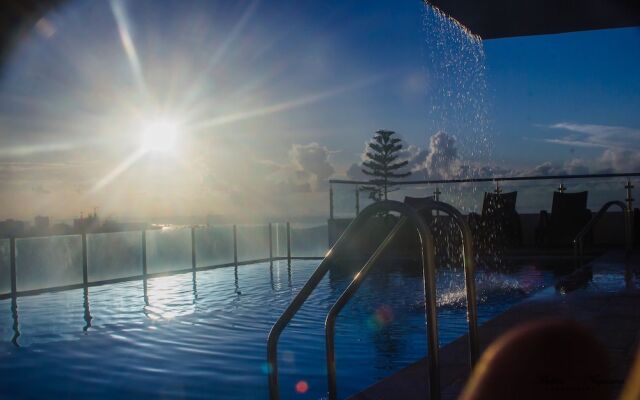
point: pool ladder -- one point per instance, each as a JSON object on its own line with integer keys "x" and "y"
{"x": 408, "y": 215}
{"x": 578, "y": 242}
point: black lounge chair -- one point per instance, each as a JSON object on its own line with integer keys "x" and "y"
{"x": 499, "y": 224}
{"x": 569, "y": 214}
{"x": 418, "y": 202}
{"x": 446, "y": 234}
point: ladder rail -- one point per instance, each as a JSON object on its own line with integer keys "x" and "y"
{"x": 578, "y": 242}
{"x": 428, "y": 263}
{"x": 409, "y": 214}
{"x": 307, "y": 289}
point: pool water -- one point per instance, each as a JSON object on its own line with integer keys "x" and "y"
{"x": 203, "y": 335}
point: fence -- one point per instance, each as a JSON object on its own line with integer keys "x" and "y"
{"x": 32, "y": 265}
{"x": 346, "y": 197}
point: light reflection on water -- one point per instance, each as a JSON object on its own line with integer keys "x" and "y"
{"x": 204, "y": 335}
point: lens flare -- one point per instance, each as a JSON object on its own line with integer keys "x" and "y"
{"x": 302, "y": 387}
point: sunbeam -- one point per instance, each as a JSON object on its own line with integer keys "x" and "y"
{"x": 198, "y": 83}
{"x": 122, "y": 22}
{"x": 118, "y": 170}
{"x": 285, "y": 105}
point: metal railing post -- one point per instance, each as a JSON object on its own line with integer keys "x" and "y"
{"x": 235, "y": 246}
{"x": 436, "y": 194}
{"x": 562, "y": 188}
{"x": 498, "y": 188}
{"x": 289, "y": 243}
{"x": 330, "y": 201}
{"x": 85, "y": 262}
{"x": 629, "y": 214}
{"x": 270, "y": 244}
{"x": 143, "y": 244}
{"x": 12, "y": 257}
{"x": 357, "y": 200}
{"x": 193, "y": 247}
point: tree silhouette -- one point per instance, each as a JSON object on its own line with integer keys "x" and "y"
{"x": 381, "y": 164}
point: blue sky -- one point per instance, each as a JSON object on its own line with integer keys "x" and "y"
{"x": 272, "y": 98}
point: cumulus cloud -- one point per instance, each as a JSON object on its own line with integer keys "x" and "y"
{"x": 311, "y": 164}
{"x": 620, "y": 160}
{"x": 442, "y": 161}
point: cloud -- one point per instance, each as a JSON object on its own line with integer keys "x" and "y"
{"x": 443, "y": 156}
{"x": 311, "y": 164}
{"x": 620, "y": 146}
{"x": 355, "y": 173}
{"x": 620, "y": 160}
{"x": 592, "y": 135}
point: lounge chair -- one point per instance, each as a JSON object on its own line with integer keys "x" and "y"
{"x": 499, "y": 224}
{"x": 446, "y": 234}
{"x": 569, "y": 214}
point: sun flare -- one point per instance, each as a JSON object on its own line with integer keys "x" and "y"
{"x": 160, "y": 135}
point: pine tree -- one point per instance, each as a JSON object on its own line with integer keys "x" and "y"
{"x": 381, "y": 164}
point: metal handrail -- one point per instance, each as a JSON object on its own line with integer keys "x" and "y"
{"x": 376, "y": 208}
{"x": 429, "y": 292}
{"x": 496, "y": 179}
{"x": 578, "y": 248}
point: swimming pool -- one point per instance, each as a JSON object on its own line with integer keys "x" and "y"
{"x": 203, "y": 335}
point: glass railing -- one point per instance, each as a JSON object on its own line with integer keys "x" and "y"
{"x": 59, "y": 262}
{"x": 48, "y": 261}
{"x": 535, "y": 193}
{"x": 5, "y": 267}
{"x": 114, "y": 255}
{"x": 168, "y": 250}
{"x": 214, "y": 245}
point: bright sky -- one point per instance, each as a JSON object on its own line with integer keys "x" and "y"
{"x": 174, "y": 108}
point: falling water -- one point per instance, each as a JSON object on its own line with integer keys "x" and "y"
{"x": 456, "y": 98}
{"x": 457, "y": 104}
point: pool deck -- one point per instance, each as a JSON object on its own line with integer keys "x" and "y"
{"x": 613, "y": 316}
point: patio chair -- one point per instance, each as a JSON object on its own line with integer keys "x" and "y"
{"x": 569, "y": 214}
{"x": 446, "y": 237}
{"x": 499, "y": 225}
{"x": 418, "y": 202}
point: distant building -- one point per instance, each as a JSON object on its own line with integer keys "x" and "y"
{"x": 41, "y": 225}
{"x": 90, "y": 223}
{"x": 11, "y": 227}
{"x": 61, "y": 229}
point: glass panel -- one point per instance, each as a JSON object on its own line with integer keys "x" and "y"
{"x": 279, "y": 239}
{"x": 309, "y": 241}
{"x": 168, "y": 250}
{"x": 214, "y": 245}
{"x": 5, "y": 267}
{"x": 253, "y": 242}
{"x": 344, "y": 200}
{"x": 48, "y": 262}
{"x": 114, "y": 255}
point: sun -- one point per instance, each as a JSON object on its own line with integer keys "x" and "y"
{"x": 160, "y": 135}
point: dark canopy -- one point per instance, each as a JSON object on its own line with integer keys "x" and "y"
{"x": 492, "y": 19}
